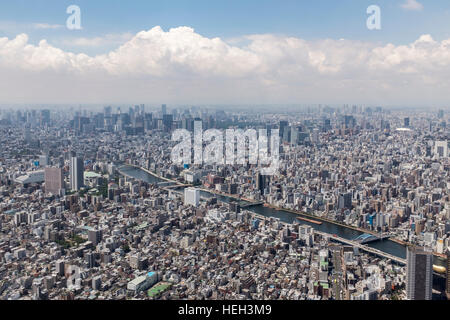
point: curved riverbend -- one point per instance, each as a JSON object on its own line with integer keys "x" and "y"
{"x": 347, "y": 232}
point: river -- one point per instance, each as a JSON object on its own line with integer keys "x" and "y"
{"x": 387, "y": 246}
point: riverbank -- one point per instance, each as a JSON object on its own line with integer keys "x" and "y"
{"x": 149, "y": 172}
{"x": 313, "y": 217}
{"x": 346, "y": 230}
{"x": 296, "y": 212}
{"x": 316, "y": 219}
{"x": 323, "y": 219}
{"x": 309, "y": 220}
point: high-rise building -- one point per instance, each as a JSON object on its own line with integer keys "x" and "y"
{"x": 44, "y": 160}
{"x": 441, "y": 149}
{"x": 327, "y": 125}
{"x": 90, "y": 259}
{"x": 406, "y": 122}
{"x": 95, "y": 236}
{"x": 76, "y": 173}
{"x": 447, "y": 290}
{"x": 283, "y": 124}
{"x": 107, "y": 111}
{"x": 191, "y": 196}
{"x": 349, "y": 121}
{"x": 294, "y": 135}
{"x": 148, "y": 121}
{"x": 419, "y": 274}
{"x": 45, "y": 117}
{"x": 315, "y": 136}
{"x": 262, "y": 181}
{"x": 27, "y": 135}
{"x": 164, "y": 109}
{"x": 96, "y": 283}
{"x": 54, "y": 180}
{"x": 345, "y": 201}
{"x": 187, "y": 124}
{"x": 60, "y": 267}
{"x": 286, "y": 137}
{"x": 167, "y": 122}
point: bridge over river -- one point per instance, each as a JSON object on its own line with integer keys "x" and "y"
{"x": 363, "y": 247}
{"x": 389, "y": 249}
{"x": 367, "y": 238}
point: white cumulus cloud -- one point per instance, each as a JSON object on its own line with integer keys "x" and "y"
{"x": 182, "y": 66}
{"x": 413, "y": 5}
{"x": 107, "y": 40}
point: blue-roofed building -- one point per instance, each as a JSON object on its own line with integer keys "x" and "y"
{"x": 152, "y": 278}
{"x": 255, "y": 223}
{"x": 143, "y": 282}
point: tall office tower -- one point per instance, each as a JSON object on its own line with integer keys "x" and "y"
{"x": 447, "y": 290}
{"x": 167, "y": 122}
{"x": 419, "y": 274}
{"x": 315, "y": 136}
{"x": 188, "y": 124}
{"x": 54, "y": 180}
{"x": 286, "y": 137}
{"x": 69, "y": 154}
{"x": 18, "y": 116}
{"x": 90, "y": 259}
{"x": 349, "y": 121}
{"x": 345, "y": 201}
{"x": 191, "y": 196}
{"x": 262, "y": 181}
{"x": 441, "y": 149}
{"x": 441, "y": 114}
{"x": 27, "y": 135}
{"x": 385, "y": 125}
{"x": 76, "y": 173}
{"x": 164, "y": 109}
{"x": 95, "y": 236}
{"x": 406, "y": 122}
{"x": 44, "y": 117}
{"x": 107, "y": 111}
{"x": 44, "y": 160}
{"x": 99, "y": 121}
{"x": 148, "y": 119}
{"x": 96, "y": 283}
{"x": 80, "y": 122}
{"x": 294, "y": 135}
{"x": 283, "y": 124}
{"x": 60, "y": 267}
{"x": 326, "y": 125}
{"x": 107, "y": 118}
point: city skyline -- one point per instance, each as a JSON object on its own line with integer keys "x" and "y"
{"x": 225, "y": 152}
{"x": 94, "y": 206}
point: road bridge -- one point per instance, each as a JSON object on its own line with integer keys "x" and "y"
{"x": 362, "y": 247}
{"x": 251, "y": 204}
{"x": 367, "y": 238}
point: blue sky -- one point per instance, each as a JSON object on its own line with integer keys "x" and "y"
{"x": 308, "y": 20}
{"x": 229, "y": 51}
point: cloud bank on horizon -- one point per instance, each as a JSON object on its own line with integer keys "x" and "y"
{"x": 181, "y": 66}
